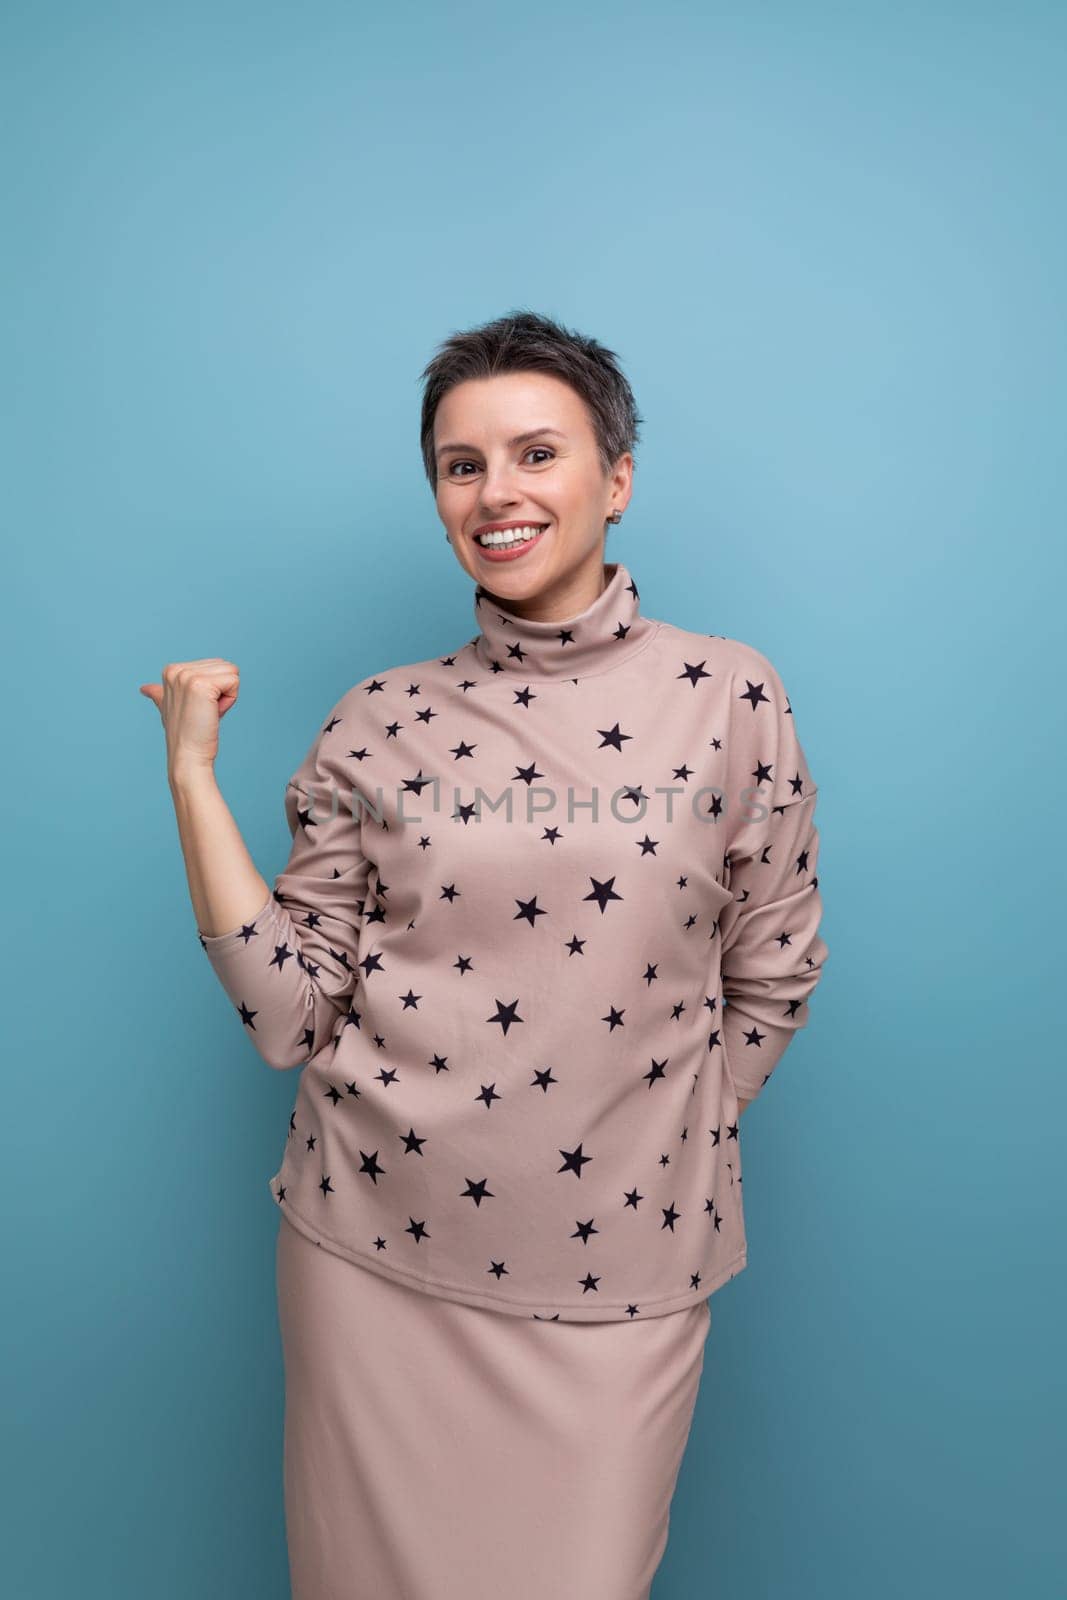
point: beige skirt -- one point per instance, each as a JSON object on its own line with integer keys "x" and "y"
{"x": 440, "y": 1451}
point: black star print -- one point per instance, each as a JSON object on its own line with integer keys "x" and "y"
{"x": 573, "y": 1161}
{"x": 506, "y": 1014}
{"x": 417, "y": 784}
{"x": 612, "y": 736}
{"x": 754, "y": 694}
{"x": 602, "y": 892}
{"x": 529, "y": 910}
{"x": 369, "y": 1165}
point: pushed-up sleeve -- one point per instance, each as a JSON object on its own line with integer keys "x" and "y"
{"x": 291, "y": 972}
{"x": 772, "y": 952}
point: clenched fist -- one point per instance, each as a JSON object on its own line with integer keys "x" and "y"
{"x": 192, "y": 700}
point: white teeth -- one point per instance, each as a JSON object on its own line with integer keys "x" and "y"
{"x": 511, "y": 535}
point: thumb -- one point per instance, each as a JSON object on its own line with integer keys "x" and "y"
{"x": 153, "y": 692}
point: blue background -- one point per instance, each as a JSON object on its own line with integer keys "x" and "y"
{"x": 828, "y": 244}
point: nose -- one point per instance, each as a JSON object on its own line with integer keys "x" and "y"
{"x": 498, "y": 489}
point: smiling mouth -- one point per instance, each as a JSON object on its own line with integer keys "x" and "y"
{"x": 509, "y": 537}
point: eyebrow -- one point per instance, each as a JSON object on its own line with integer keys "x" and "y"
{"x": 520, "y": 438}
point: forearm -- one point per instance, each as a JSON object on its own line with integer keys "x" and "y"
{"x": 284, "y": 955}
{"x": 225, "y": 886}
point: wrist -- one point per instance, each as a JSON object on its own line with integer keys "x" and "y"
{"x": 190, "y": 777}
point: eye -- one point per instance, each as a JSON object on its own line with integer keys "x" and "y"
{"x": 535, "y": 449}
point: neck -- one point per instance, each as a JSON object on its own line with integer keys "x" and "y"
{"x": 567, "y": 597}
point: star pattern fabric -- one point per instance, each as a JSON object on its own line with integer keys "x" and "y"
{"x": 551, "y": 907}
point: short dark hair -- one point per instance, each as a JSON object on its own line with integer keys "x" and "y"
{"x": 524, "y": 341}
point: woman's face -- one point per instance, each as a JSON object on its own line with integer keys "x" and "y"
{"x": 552, "y": 478}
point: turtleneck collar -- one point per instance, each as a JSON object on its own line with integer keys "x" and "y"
{"x": 595, "y": 640}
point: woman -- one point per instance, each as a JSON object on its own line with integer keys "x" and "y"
{"x": 549, "y": 921}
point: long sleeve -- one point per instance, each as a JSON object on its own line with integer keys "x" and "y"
{"x": 291, "y": 972}
{"x": 772, "y": 952}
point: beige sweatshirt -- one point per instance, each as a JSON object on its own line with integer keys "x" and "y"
{"x": 551, "y": 907}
